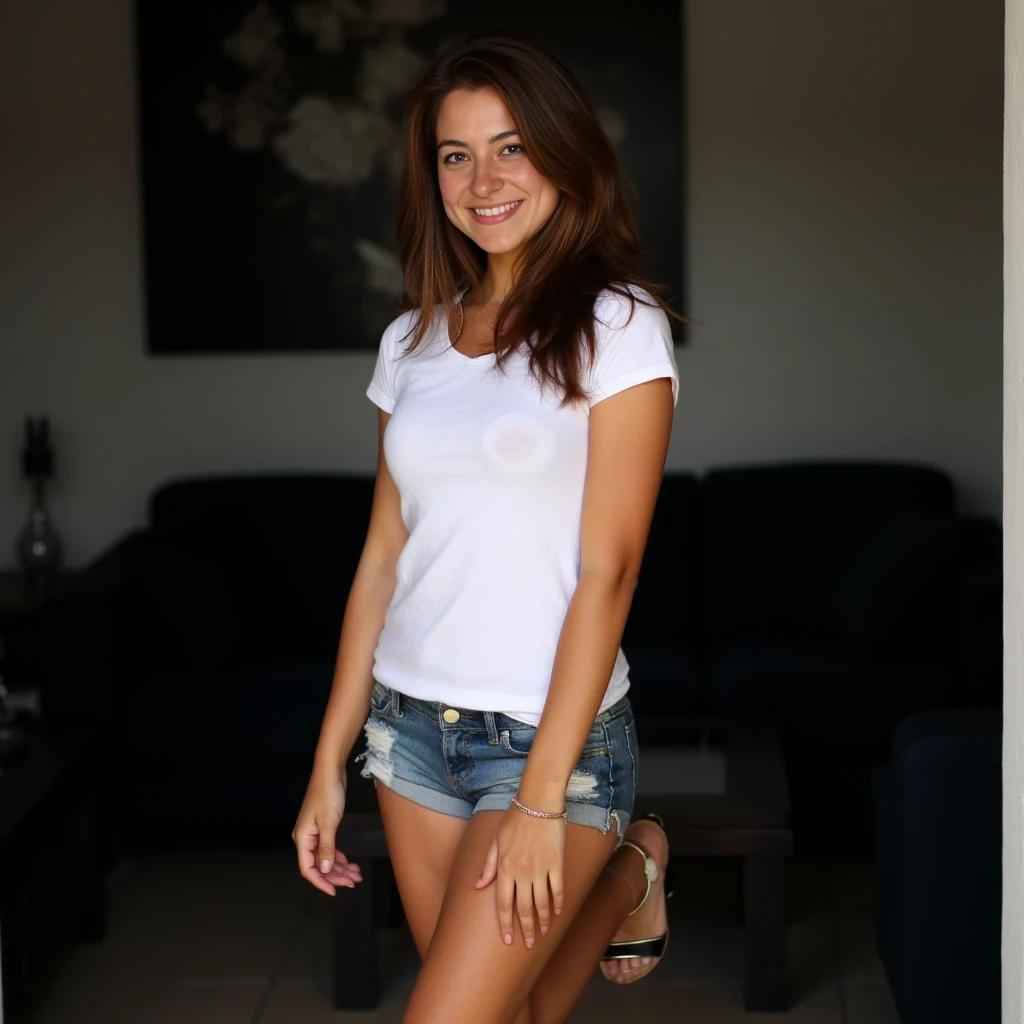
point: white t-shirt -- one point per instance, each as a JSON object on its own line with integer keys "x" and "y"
{"x": 490, "y": 473}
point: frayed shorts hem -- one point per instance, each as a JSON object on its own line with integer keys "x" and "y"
{"x": 425, "y": 796}
{"x": 601, "y": 818}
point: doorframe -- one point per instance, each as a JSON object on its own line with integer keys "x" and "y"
{"x": 1013, "y": 515}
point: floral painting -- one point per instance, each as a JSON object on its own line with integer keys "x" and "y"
{"x": 271, "y": 152}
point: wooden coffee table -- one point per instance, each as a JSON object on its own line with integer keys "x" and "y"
{"x": 720, "y": 786}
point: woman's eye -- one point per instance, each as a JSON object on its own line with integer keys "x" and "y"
{"x": 512, "y": 149}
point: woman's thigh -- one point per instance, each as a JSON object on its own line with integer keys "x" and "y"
{"x": 421, "y": 844}
{"x": 469, "y": 975}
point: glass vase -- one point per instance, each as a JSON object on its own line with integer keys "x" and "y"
{"x": 38, "y": 546}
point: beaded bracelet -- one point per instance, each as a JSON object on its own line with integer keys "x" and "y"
{"x": 540, "y": 814}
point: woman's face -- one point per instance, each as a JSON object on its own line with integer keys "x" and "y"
{"x": 490, "y": 190}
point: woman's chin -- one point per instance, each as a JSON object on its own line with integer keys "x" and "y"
{"x": 497, "y": 246}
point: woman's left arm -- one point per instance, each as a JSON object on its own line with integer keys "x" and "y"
{"x": 628, "y": 441}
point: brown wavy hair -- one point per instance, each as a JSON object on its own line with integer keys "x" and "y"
{"x": 589, "y": 243}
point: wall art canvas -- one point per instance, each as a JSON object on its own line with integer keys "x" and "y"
{"x": 270, "y": 139}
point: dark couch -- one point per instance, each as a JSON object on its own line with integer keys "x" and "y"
{"x": 938, "y": 866}
{"x": 838, "y": 597}
{"x": 207, "y": 643}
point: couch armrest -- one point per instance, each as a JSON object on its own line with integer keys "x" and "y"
{"x": 968, "y": 610}
{"x": 938, "y": 866}
{"x": 87, "y": 635}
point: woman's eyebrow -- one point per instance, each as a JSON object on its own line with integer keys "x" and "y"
{"x": 465, "y": 145}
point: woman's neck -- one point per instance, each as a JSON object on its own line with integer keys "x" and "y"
{"x": 498, "y": 279}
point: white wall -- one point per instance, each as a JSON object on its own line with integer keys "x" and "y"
{"x": 844, "y": 231}
{"x": 1013, "y": 519}
{"x": 843, "y": 240}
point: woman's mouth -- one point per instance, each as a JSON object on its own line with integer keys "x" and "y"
{"x": 495, "y": 214}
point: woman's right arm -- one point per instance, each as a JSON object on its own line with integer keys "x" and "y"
{"x": 369, "y": 596}
{"x": 368, "y": 600}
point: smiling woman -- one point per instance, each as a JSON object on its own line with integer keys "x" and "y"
{"x": 523, "y": 433}
{"x": 511, "y": 185}
{"x": 490, "y": 188}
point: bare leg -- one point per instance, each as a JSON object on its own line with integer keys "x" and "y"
{"x": 493, "y": 983}
{"x": 422, "y": 845}
{"x": 604, "y": 917}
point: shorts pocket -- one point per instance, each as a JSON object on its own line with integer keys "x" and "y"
{"x": 380, "y": 698}
{"x": 518, "y": 742}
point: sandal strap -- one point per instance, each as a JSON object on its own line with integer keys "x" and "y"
{"x": 650, "y": 864}
{"x": 629, "y": 882}
{"x": 650, "y": 871}
{"x": 639, "y": 947}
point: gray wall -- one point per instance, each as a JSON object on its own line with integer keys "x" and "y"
{"x": 844, "y": 243}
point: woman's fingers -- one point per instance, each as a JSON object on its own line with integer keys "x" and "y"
{"x": 314, "y": 865}
{"x": 307, "y": 844}
{"x": 540, "y": 900}
{"x": 557, "y": 889}
{"x": 490, "y": 866}
{"x": 524, "y": 904}
{"x": 342, "y": 863}
{"x": 504, "y": 895}
{"x": 344, "y": 874}
{"x": 326, "y": 851}
{"x": 307, "y": 838}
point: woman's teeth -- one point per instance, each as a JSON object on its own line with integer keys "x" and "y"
{"x": 493, "y": 211}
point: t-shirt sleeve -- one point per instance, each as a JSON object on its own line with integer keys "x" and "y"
{"x": 382, "y": 390}
{"x": 632, "y": 352}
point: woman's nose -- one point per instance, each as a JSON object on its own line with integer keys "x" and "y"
{"x": 485, "y": 181}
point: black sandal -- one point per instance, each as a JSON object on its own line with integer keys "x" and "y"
{"x": 654, "y": 947}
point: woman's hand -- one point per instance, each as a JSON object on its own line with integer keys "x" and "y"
{"x": 314, "y": 833}
{"x": 526, "y": 854}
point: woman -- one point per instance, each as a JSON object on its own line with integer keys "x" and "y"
{"x": 526, "y": 398}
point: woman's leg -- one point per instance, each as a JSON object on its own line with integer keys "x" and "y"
{"x": 422, "y": 844}
{"x": 469, "y": 975}
{"x": 604, "y": 917}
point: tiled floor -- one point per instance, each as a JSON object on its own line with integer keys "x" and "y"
{"x": 221, "y": 938}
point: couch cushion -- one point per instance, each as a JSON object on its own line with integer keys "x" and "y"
{"x": 289, "y": 544}
{"x": 189, "y": 603}
{"x": 906, "y": 560}
{"x": 270, "y": 714}
{"x": 667, "y": 600}
{"x": 663, "y": 677}
{"x": 777, "y": 536}
{"x": 796, "y": 679}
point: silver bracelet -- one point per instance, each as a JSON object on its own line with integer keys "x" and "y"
{"x": 541, "y": 814}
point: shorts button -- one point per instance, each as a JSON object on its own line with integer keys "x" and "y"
{"x": 451, "y": 716}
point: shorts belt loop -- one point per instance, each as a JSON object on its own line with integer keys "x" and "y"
{"x": 492, "y": 729}
{"x": 396, "y": 703}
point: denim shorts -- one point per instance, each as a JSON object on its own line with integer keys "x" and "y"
{"x": 459, "y": 761}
